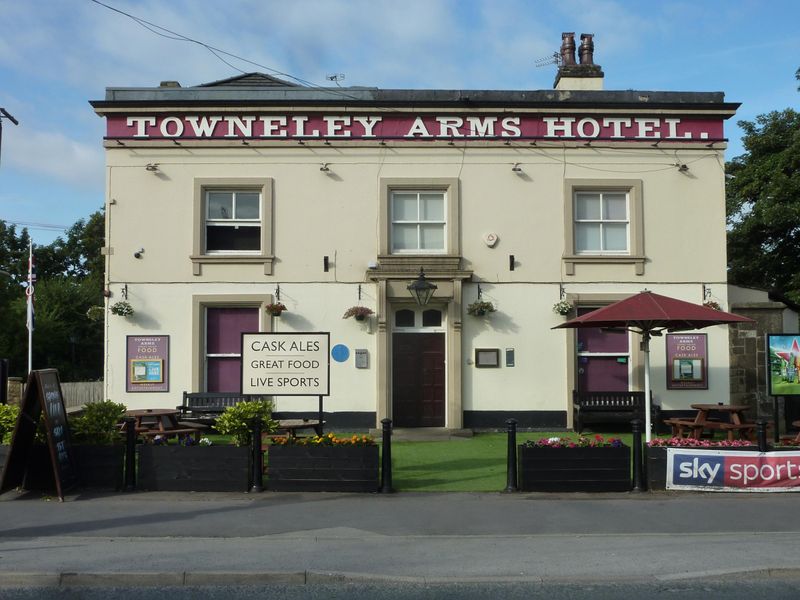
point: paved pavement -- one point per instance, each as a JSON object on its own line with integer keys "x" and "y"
{"x": 194, "y": 538}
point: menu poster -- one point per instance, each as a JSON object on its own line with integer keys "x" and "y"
{"x": 687, "y": 361}
{"x": 147, "y": 360}
{"x": 42, "y": 396}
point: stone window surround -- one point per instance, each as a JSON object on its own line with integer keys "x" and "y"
{"x": 636, "y": 356}
{"x": 635, "y": 256}
{"x": 264, "y": 185}
{"x": 199, "y": 304}
{"x": 450, "y": 185}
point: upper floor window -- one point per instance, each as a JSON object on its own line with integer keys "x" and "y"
{"x": 233, "y": 221}
{"x": 418, "y": 221}
{"x": 601, "y": 222}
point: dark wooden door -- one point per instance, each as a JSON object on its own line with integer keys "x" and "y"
{"x": 418, "y": 379}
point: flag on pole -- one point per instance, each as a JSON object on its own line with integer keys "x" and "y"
{"x": 29, "y": 291}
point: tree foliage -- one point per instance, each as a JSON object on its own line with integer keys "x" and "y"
{"x": 763, "y": 205}
{"x": 69, "y": 281}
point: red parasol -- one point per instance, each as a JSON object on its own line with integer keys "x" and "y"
{"x": 650, "y": 314}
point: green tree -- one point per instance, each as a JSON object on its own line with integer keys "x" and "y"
{"x": 763, "y": 205}
{"x": 69, "y": 281}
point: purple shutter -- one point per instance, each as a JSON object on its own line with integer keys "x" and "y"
{"x": 224, "y": 328}
{"x": 602, "y": 373}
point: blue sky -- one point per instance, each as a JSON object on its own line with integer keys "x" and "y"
{"x": 56, "y": 55}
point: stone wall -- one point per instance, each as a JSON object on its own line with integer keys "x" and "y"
{"x": 14, "y": 390}
{"x": 748, "y": 356}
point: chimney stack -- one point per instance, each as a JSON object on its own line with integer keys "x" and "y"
{"x": 583, "y": 76}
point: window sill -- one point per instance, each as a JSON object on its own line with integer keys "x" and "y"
{"x": 413, "y": 262}
{"x": 603, "y": 259}
{"x": 230, "y": 259}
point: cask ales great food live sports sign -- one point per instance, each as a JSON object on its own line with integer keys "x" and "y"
{"x": 400, "y": 126}
{"x": 286, "y": 364}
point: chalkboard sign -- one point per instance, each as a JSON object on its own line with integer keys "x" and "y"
{"x": 42, "y": 395}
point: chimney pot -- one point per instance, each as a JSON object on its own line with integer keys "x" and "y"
{"x": 568, "y": 48}
{"x": 586, "y": 52}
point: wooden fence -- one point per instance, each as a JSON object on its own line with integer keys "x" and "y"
{"x": 80, "y": 393}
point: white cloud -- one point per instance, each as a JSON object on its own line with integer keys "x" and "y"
{"x": 54, "y": 155}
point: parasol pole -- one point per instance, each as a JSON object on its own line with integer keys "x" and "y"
{"x": 646, "y": 349}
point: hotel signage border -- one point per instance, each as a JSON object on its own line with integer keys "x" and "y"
{"x": 410, "y": 127}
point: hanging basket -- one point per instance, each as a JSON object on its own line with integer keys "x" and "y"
{"x": 122, "y": 308}
{"x": 275, "y": 309}
{"x": 359, "y": 313}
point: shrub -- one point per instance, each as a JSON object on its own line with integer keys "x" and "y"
{"x": 8, "y": 421}
{"x": 237, "y": 420}
{"x": 99, "y": 423}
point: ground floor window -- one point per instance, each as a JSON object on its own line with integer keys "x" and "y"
{"x": 603, "y": 358}
{"x": 223, "y": 358}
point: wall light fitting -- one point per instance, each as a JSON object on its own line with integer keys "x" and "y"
{"x": 152, "y": 167}
{"x": 324, "y": 168}
{"x": 516, "y": 168}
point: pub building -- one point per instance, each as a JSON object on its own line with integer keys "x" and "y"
{"x": 228, "y": 197}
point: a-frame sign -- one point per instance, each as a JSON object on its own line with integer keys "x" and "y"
{"x": 42, "y": 395}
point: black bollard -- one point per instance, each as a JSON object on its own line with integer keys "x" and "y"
{"x": 386, "y": 457}
{"x": 258, "y": 457}
{"x": 511, "y": 457}
{"x": 638, "y": 479}
{"x": 761, "y": 435}
{"x": 130, "y": 454}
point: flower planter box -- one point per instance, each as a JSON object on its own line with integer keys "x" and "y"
{"x": 657, "y": 463}
{"x": 194, "y": 468}
{"x": 3, "y": 455}
{"x": 323, "y": 468}
{"x": 547, "y": 469}
{"x": 99, "y": 467}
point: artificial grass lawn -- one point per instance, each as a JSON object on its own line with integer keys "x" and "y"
{"x": 476, "y": 464}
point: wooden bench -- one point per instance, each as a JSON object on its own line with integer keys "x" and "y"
{"x": 610, "y": 407}
{"x": 205, "y": 407}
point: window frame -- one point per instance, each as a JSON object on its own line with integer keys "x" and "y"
{"x": 200, "y": 256}
{"x": 233, "y": 221}
{"x": 418, "y": 223}
{"x": 602, "y": 221}
{"x": 635, "y": 254}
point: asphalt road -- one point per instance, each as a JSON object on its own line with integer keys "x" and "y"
{"x": 661, "y": 541}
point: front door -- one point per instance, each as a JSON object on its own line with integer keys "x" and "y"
{"x": 418, "y": 379}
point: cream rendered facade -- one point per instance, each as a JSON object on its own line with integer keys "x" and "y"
{"x": 329, "y": 198}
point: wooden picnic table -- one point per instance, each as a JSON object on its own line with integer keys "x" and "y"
{"x": 795, "y": 439}
{"x": 733, "y": 421}
{"x": 290, "y": 427}
{"x": 150, "y": 422}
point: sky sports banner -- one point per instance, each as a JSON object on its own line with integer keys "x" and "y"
{"x": 732, "y": 471}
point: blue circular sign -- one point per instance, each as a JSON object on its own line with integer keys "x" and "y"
{"x": 340, "y": 353}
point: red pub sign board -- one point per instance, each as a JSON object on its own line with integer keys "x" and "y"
{"x": 408, "y": 127}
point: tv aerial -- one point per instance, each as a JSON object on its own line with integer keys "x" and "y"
{"x": 335, "y": 78}
{"x": 553, "y": 59}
